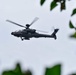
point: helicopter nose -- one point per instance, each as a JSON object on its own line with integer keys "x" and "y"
{"x": 12, "y": 33}
{"x": 15, "y": 34}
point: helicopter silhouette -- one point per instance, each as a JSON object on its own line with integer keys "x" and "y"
{"x": 28, "y": 33}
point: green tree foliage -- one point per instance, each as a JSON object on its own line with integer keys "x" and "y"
{"x": 71, "y": 25}
{"x": 17, "y": 71}
{"x": 54, "y": 4}
{"x": 74, "y": 12}
{"x": 55, "y": 70}
{"x": 73, "y": 74}
{"x": 42, "y": 2}
{"x": 73, "y": 35}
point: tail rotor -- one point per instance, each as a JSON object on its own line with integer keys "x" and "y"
{"x": 54, "y": 33}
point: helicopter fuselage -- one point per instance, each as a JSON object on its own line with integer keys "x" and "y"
{"x": 28, "y": 33}
{"x": 31, "y": 33}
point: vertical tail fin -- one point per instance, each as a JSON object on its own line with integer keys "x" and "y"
{"x": 54, "y": 33}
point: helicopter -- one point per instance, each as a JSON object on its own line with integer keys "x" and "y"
{"x": 28, "y": 33}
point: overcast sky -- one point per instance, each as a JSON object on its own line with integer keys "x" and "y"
{"x": 38, "y": 53}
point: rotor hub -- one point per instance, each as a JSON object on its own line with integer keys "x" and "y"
{"x": 27, "y": 26}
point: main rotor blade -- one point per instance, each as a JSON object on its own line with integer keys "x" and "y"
{"x": 34, "y": 20}
{"x": 15, "y": 23}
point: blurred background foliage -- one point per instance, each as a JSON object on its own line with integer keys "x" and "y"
{"x": 63, "y": 5}
{"x": 54, "y": 70}
{"x": 17, "y": 71}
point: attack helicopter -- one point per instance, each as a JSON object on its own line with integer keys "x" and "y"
{"x": 28, "y": 33}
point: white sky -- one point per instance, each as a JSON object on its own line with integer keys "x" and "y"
{"x": 36, "y": 54}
